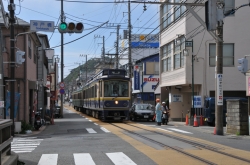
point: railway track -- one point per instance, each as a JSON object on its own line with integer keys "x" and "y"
{"x": 196, "y": 144}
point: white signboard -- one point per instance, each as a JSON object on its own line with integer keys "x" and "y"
{"x": 176, "y": 98}
{"x": 197, "y": 102}
{"x": 46, "y": 26}
{"x": 219, "y": 89}
{"x": 1, "y": 104}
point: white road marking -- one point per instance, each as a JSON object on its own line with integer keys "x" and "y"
{"x": 90, "y": 120}
{"x": 178, "y": 130}
{"x": 104, "y": 129}
{"x": 164, "y": 129}
{"x": 90, "y": 130}
{"x": 95, "y": 124}
{"x": 119, "y": 158}
{"x": 83, "y": 159}
{"x": 22, "y": 145}
{"x": 48, "y": 159}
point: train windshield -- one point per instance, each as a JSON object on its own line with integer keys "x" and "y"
{"x": 114, "y": 88}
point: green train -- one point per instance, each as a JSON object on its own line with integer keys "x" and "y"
{"x": 106, "y": 96}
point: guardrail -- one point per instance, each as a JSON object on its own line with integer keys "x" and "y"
{"x": 5, "y": 140}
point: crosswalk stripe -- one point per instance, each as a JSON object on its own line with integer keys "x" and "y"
{"x": 104, "y": 129}
{"x": 90, "y": 130}
{"x": 22, "y": 145}
{"x": 119, "y": 158}
{"x": 178, "y": 130}
{"x": 48, "y": 159}
{"x": 83, "y": 159}
{"x": 21, "y": 151}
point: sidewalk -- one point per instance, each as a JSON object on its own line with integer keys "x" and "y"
{"x": 33, "y": 133}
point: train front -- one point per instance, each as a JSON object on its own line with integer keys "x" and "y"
{"x": 116, "y": 96}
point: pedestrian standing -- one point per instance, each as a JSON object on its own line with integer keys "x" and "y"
{"x": 158, "y": 112}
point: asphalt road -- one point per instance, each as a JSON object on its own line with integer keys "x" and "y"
{"x": 78, "y": 139}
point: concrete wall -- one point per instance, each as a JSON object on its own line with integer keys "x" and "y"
{"x": 237, "y": 117}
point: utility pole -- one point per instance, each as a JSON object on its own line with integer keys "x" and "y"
{"x": 218, "y": 83}
{"x": 103, "y": 51}
{"x": 129, "y": 52}
{"x": 1, "y": 75}
{"x": 129, "y": 44}
{"x": 86, "y": 67}
{"x": 62, "y": 65}
{"x": 117, "y": 47}
{"x": 11, "y": 8}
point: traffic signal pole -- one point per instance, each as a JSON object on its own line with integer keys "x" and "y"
{"x": 62, "y": 16}
{"x": 12, "y": 65}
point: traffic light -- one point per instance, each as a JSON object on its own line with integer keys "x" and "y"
{"x": 243, "y": 68}
{"x": 70, "y": 27}
{"x": 211, "y": 15}
{"x": 20, "y": 57}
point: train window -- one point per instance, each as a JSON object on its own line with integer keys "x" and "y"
{"x": 100, "y": 88}
{"x": 105, "y": 72}
{"x": 115, "y": 88}
{"x": 95, "y": 90}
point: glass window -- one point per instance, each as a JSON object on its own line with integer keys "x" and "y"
{"x": 143, "y": 107}
{"x": 177, "y": 61}
{"x": 156, "y": 67}
{"x": 228, "y": 54}
{"x": 29, "y": 46}
{"x": 164, "y": 52}
{"x": 169, "y": 63}
{"x": 115, "y": 88}
{"x": 177, "y": 10}
{"x": 166, "y": 15}
{"x": 164, "y": 65}
{"x": 34, "y": 50}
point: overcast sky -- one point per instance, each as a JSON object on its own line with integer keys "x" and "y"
{"x": 92, "y": 15}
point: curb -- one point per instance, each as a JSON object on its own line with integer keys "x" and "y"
{"x": 33, "y": 132}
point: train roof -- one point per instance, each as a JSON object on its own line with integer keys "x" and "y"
{"x": 105, "y": 73}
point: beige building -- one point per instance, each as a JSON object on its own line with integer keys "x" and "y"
{"x": 181, "y": 31}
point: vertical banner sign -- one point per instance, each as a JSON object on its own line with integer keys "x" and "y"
{"x": 52, "y": 84}
{"x": 7, "y": 107}
{"x": 136, "y": 78}
{"x": 219, "y": 90}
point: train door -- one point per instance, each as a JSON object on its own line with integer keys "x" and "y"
{"x": 100, "y": 94}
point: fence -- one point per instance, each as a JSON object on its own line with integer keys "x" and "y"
{"x": 5, "y": 143}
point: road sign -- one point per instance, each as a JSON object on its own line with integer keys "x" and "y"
{"x": 62, "y": 85}
{"x": 62, "y": 91}
{"x": 46, "y": 26}
{"x": 219, "y": 90}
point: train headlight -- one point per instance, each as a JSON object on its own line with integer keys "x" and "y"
{"x": 116, "y": 102}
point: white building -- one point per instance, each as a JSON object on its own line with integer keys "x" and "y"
{"x": 176, "y": 68}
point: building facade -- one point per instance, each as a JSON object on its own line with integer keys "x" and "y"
{"x": 183, "y": 36}
{"x": 25, "y": 73}
{"x": 145, "y": 78}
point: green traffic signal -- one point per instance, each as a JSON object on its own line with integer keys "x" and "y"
{"x": 63, "y": 26}
{"x": 70, "y": 27}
